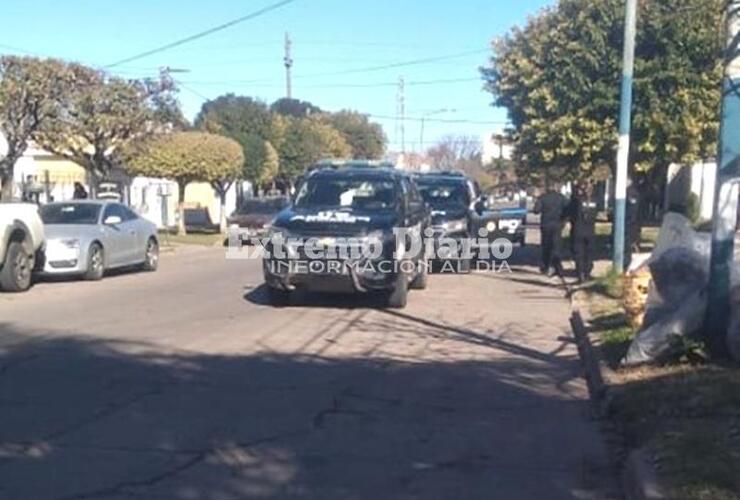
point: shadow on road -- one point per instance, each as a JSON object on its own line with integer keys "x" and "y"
{"x": 87, "y": 418}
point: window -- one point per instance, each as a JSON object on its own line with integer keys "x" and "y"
{"x": 373, "y": 193}
{"x": 70, "y": 213}
{"x": 128, "y": 213}
{"x": 114, "y": 210}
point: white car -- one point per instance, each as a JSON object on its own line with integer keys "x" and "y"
{"x": 87, "y": 238}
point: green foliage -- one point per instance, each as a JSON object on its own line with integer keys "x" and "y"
{"x": 283, "y": 140}
{"x": 294, "y": 108}
{"x": 366, "y": 138}
{"x": 307, "y": 141}
{"x": 188, "y": 157}
{"x": 238, "y": 117}
{"x": 103, "y": 115}
{"x": 559, "y": 79}
{"x": 261, "y": 161}
{"x": 253, "y": 126}
{"x": 693, "y": 208}
{"x": 31, "y": 95}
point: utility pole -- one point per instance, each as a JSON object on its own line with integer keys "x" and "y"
{"x": 288, "y": 60}
{"x": 401, "y": 112}
{"x": 726, "y": 197}
{"x": 625, "y": 123}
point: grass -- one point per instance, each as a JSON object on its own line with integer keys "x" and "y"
{"x": 201, "y": 239}
{"x": 687, "y": 416}
{"x": 610, "y": 285}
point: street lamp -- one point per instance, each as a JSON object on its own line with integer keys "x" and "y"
{"x": 423, "y": 120}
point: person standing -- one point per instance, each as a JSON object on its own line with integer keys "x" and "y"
{"x": 552, "y": 208}
{"x": 80, "y": 193}
{"x": 583, "y": 212}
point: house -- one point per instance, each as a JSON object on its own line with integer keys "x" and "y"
{"x": 53, "y": 177}
{"x": 496, "y": 147}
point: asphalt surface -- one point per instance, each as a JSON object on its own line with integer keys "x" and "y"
{"x": 184, "y": 384}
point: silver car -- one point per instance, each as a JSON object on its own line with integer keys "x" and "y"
{"x": 89, "y": 237}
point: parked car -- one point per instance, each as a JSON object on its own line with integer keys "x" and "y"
{"x": 198, "y": 220}
{"x": 337, "y": 208}
{"x": 510, "y": 219}
{"x": 254, "y": 217}
{"x": 21, "y": 245}
{"x": 87, "y": 238}
{"x": 458, "y": 212}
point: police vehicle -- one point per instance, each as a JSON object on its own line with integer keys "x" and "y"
{"x": 460, "y": 217}
{"x": 349, "y": 228}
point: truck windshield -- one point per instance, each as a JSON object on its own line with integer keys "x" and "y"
{"x": 70, "y": 213}
{"x": 347, "y": 192}
{"x": 439, "y": 194}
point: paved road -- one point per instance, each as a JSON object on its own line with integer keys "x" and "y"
{"x": 184, "y": 385}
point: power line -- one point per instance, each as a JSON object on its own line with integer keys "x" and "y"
{"x": 18, "y": 49}
{"x": 202, "y": 34}
{"x": 192, "y": 91}
{"x": 413, "y": 62}
{"x": 439, "y": 120}
{"x": 256, "y": 83}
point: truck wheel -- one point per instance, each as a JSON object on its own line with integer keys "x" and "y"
{"x": 15, "y": 275}
{"x": 421, "y": 280}
{"x": 95, "y": 263}
{"x": 398, "y": 298}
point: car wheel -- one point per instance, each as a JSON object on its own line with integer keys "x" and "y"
{"x": 151, "y": 258}
{"x": 398, "y": 298}
{"x": 95, "y": 263}
{"x": 278, "y": 297}
{"x": 421, "y": 279}
{"x": 15, "y": 275}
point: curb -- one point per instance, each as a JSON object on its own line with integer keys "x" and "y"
{"x": 639, "y": 480}
{"x": 594, "y": 376}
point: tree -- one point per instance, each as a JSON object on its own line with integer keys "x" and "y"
{"x": 236, "y": 116}
{"x": 451, "y": 152}
{"x": 559, "y": 79}
{"x": 261, "y": 162}
{"x": 461, "y": 153}
{"x": 366, "y": 138}
{"x": 251, "y": 124}
{"x": 306, "y": 141}
{"x": 294, "y": 108}
{"x": 31, "y": 92}
{"x": 101, "y": 115}
{"x": 190, "y": 157}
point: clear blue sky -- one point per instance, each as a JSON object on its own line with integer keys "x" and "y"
{"x": 329, "y": 36}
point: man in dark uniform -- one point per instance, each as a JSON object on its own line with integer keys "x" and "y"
{"x": 552, "y": 207}
{"x": 583, "y": 213}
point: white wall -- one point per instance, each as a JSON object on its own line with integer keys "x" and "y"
{"x": 699, "y": 178}
{"x": 493, "y": 149}
{"x": 155, "y": 200}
